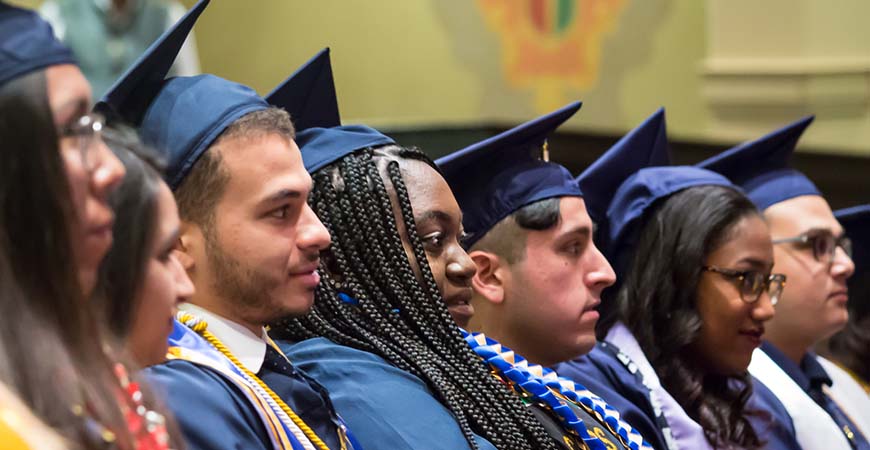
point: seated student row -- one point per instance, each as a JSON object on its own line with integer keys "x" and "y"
{"x": 389, "y": 326}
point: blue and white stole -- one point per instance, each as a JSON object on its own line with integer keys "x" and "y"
{"x": 186, "y": 344}
{"x": 546, "y": 386}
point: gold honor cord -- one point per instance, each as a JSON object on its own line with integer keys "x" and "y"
{"x": 200, "y": 327}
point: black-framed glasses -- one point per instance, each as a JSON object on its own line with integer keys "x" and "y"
{"x": 752, "y": 284}
{"x": 86, "y": 131}
{"x": 822, "y": 242}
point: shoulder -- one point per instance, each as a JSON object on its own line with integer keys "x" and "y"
{"x": 385, "y": 406}
{"x": 322, "y": 348}
{"x": 769, "y": 418}
{"x": 329, "y": 363}
{"x": 209, "y": 409}
{"x": 603, "y": 375}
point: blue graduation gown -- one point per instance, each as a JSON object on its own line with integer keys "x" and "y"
{"x": 216, "y": 410}
{"x": 606, "y": 376}
{"x": 211, "y": 412}
{"x": 809, "y": 375}
{"x": 384, "y": 406}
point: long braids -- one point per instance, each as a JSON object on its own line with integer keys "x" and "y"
{"x": 398, "y": 317}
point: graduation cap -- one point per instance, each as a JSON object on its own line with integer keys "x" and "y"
{"x": 182, "y": 116}
{"x": 644, "y": 146}
{"x": 497, "y": 176}
{"x": 622, "y": 185}
{"x": 761, "y": 167}
{"x": 27, "y": 44}
{"x": 856, "y": 221}
{"x": 309, "y": 96}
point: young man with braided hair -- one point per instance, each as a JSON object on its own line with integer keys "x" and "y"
{"x": 250, "y": 244}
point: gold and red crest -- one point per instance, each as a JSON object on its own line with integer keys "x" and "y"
{"x": 549, "y": 46}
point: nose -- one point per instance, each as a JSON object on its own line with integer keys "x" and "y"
{"x": 312, "y": 233}
{"x": 842, "y": 265}
{"x": 763, "y": 309}
{"x": 108, "y": 171}
{"x": 460, "y": 267}
{"x": 184, "y": 288}
{"x": 600, "y": 274}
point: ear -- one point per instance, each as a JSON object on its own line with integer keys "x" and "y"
{"x": 189, "y": 237}
{"x": 491, "y": 275}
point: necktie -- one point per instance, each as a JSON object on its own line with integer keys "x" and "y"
{"x": 276, "y": 362}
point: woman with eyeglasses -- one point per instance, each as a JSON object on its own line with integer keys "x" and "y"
{"x": 812, "y": 249}
{"x": 693, "y": 258}
{"x": 56, "y": 175}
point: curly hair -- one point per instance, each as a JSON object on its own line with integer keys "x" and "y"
{"x": 398, "y": 316}
{"x": 657, "y": 302}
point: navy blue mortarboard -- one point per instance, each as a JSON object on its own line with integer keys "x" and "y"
{"x": 761, "y": 166}
{"x": 497, "y": 176}
{"x": 856, "y": 221}
{"x": 27, "y": 44}
{"x": 644, "y": 146}
{"x": 183, "y": 115}
{"x": 309, "y": 96}
{"x": 628, "y": 179}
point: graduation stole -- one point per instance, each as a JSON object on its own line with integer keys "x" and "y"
{"x": 545, "y": 386}
{"x": 191, "y": 341}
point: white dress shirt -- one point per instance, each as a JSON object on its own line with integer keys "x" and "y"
{"x": 247, "y": 347}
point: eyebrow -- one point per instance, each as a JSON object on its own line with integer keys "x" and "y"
{"x": 756, "y": 263}
{"x": 73, "y": 106}
{"x": 169, "y": 242}
{"x": 283, "y": 194}
{"x": 823, "y": 230}
{"x": 435, "y": 215}
{"x": 584, "y": 230}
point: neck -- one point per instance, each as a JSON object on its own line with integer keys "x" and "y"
{"x": 792, "y": 346}
{"x": 504, "y": 338}
{"x": 226, "y": 311}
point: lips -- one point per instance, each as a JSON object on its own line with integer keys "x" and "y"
{"x": 104, "y": 227}
{"x": 753, "y": 334}
{"x": 840, "y": 296}
{"x": 592, "y": 306}
{"x": 307, "y": 275}
{"x": 459, "y": 306}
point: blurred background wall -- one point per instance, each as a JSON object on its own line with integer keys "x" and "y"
{"x": 441, "y": 74}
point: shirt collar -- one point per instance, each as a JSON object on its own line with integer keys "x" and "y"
{"x": 808, "y": 374}
{"x": 247, "y": 347}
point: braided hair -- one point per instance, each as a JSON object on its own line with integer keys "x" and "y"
{"x": 399, "y": 316}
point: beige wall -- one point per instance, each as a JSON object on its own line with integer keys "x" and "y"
{"x": 726, "y": 70}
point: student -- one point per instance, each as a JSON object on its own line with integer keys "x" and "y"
{"x": 249, "y": 243}
{"x": 382, "y": 335}
{"x": 849, "y": 348}
{"x": 141, "y": 280}
{"x": 56, "y": 226}
{"x": 812, "y": 250}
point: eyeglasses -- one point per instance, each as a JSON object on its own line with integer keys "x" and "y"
{"x": 823, "y": 243}
{"x": 86, "y": 130}
{"x": 752, "y": 284}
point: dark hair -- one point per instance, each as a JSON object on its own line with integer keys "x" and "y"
{"x": 400, "y": 318}
{"x": 851, "y": 346}
{"x": 122, "y": 272}
{"x": 199, "y": 192}
{"x": 507, "y": 238}
{"x": 657, "y": 302}
{"x": 43, "y": 311}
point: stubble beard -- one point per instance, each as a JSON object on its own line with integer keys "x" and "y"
{"x": 246, "y": 291}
